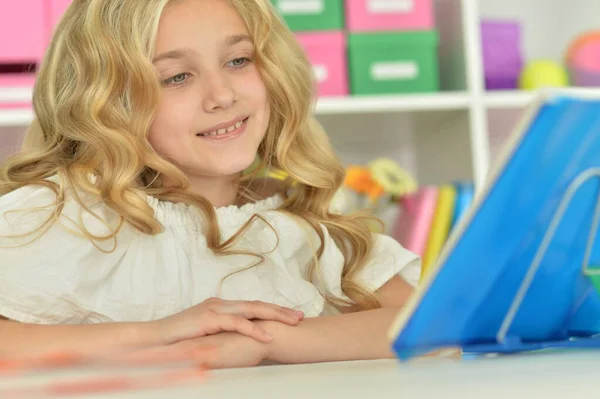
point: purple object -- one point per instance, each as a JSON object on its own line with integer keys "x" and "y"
{"x": 502, "y": 58}
{"x": 583, "y": 78}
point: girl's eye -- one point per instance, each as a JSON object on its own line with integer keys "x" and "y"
{"x": 239, "y": 62}
{"x": 176, "y": 79}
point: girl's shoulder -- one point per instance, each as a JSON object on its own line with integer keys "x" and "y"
{"x": 40, "y": 207}
{"x": 29, "y": 196}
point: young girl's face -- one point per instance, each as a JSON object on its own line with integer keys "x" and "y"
{"x": 214, "y": 109}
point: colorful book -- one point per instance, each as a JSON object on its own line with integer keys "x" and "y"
{"x": 464, "y": 198}
{"x": 519, "y": 272}
{"x": 414, "y": 222}
{"x": 440, "y": 227}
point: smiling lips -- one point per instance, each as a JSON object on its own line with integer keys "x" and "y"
{"x": 225, "y": 130}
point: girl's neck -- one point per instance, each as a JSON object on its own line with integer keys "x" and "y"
{"x": 225, "y": 191}
{"x": 220, "y": 191}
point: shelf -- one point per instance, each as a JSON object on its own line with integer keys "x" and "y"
{"x": 508, "y": 99}
{"x": 343, "y": 105}
{"x": 15, "y": 94}
{"x": 325, "y": 106}
{"x": 393, "y": 103}
{"x": 15, "y": 117}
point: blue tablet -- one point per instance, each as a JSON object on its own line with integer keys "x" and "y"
{"x": 517, "y": 272}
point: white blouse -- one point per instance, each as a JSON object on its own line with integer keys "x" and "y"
{"x": 62, "y": 277}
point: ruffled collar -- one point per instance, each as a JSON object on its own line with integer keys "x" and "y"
{"x": 170, "y": 213}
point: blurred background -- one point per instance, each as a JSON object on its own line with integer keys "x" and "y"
{"x": 418, "y": 96}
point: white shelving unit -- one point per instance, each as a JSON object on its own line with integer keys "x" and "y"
{"x": 393, "y": 103}
{"x": 15, "y": 117}
{"x": 439, "y": 137}
{"x": 508, "y": 100}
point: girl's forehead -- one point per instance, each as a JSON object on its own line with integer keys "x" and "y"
{"x": 194, "y": 11}
{"x": 192, "y": 21}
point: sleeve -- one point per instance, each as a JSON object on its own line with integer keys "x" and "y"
{"x": 388, "y": 259}
{"x": 41, "y": 262}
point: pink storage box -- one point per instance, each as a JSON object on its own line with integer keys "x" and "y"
{"x": 57, "y": 9}
{"x": 22, "y": 31}
{"x": 327, "y": 54}
{"x": 389, "y": 15}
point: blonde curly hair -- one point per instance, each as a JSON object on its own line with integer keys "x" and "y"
{"x": 95, "y": 98}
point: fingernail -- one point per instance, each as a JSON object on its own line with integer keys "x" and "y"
{"x": 300, "y": 313}
{"x": 269, "y": 336}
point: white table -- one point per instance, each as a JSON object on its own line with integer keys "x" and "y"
{"x": 570, "y": 375}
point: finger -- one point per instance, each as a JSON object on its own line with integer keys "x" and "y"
{"x": 241, "y": 325}
{"x": 218, "y": 305}
{"x": 294, "y": 313}
{"x": 262, "y": 311}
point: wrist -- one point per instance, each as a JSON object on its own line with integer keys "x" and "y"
{"x": 265, "y": 350}
{"x": 274, "y": 328}
{"x": 147, "y": 334}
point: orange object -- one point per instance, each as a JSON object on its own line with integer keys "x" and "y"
{"x": 116, "y": 383}
{"x": 358, "y": 179}
{"x": 361, "y": 181}
{"x": 375, "y": 192}
{"x": 187, "y": 369}
{"x": 581, "y": 52}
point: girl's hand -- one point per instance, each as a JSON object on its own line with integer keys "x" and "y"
{"x": 224, "y": 350}
{"x": 215, "y": 316}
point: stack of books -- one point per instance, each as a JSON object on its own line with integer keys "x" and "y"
{"x": 428, "y": 216}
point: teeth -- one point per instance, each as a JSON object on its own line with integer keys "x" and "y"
{"x": 225, "y": 130}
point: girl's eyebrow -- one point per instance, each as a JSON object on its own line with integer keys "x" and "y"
{"x": 173, "y": 54}
{"x": 185, "y": 52}
{"x": 235, "y": 39}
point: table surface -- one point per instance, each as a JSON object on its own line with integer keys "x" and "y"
{"x": 549, "y": 375}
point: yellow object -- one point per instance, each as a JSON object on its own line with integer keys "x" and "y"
{"x": 392, "y": 177}
{"x": 277, "y": 174}
{"x": 440, "y": 226}
{"x": 543, "y": 73}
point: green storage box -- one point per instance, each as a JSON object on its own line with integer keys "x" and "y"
{"x": 311, "y": 15}
{"x": 387, "y": 63}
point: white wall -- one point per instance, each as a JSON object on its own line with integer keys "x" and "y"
{"x": 548, "y": 28}
{"x": 548, "y": 25}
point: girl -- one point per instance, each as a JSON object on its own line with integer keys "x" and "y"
{"x": 131, "y": 206}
